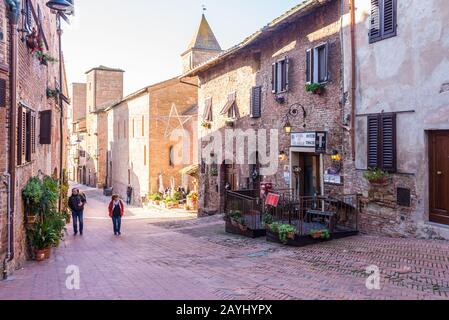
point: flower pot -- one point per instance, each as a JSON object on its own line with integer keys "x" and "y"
{"x": 32, "y": 219}
{"x": 234, "y": 223}
{"x": 40, "y": 255}
{"x": 380, "y": 182}
{"x": 318, "y": 91}
{"x": 243, "y": 228}
{"x": 316, "y": 235}
{"x": 267, "y": 226}
{"x": 291, "y": 235}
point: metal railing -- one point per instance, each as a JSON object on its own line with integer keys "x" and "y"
{"x": 248, "y": 205}
{"x": 306, "y": 214}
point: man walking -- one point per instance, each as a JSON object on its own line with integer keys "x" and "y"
{"x": 77, "y": 201}
{"x": 129, "y": 194}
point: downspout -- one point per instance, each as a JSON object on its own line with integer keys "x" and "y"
{"x": 14, "y": 15}
{"x": 353, "y": 78}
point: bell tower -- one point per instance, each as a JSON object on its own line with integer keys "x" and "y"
{"x": 204, "y": 46}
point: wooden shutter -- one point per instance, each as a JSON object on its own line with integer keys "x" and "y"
{"x": 2, "y": 93}
{"x": 373, "y": 141}
{"x": 274, "y": 77}
{"x": 256, "y": 102}
{"x": 45, "y": 127}
{"x": 33, "y": 132}
{"x": 388, "y": 18}
{"x": 375, "y": 22}
{"x": 388, "y": 133}
{"x": 309, "y": 66}
{"x": 286, "y": 65}
{"x": 326, "y": 61}
{"x": 28, "y": 136}
{"x": 21, "y": 136}
{"x": 208, "y": 110}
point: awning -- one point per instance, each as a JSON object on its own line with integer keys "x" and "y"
{"x": 192, "y": 170}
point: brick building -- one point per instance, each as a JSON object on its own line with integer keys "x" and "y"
{"x": 153, "y": 132}
{"x": 104, "y": 87}
{"x": 401, "y": 103}
{"x": 30, "y": 136}
{"x": 256, "y": 89}
{"x": 144, "y": 132}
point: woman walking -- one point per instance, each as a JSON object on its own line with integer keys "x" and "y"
{"x": 116, "y": 211}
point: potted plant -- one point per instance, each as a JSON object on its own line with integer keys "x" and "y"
{"x": 242, "y": 224}
{"x": 52, "y": 93}
{"x": 320, "y": 234}
{"x": 286, "y": 232}
{"x": 267, "y": 219}
{"x": 192, "y": 200}
{"x": 236, "y": 217}
{"x": 377, "y": 177}
{"x": 206, "y": 124}
{"x": 32, "y": 195}
{"x": 42, "y": 237}
{"x": 44, "y": 58}
{"x": 315, "y": 88}
{"x": 214, "y": 172}
{"x": 230, "y": 122}
{"x": 156, "y": 199}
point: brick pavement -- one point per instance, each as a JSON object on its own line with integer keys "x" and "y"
{"x": 196, "y": 259}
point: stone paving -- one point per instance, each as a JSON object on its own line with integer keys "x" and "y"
{"x": 186, "y": 258}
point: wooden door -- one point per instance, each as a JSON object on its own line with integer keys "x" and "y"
{"x": 230, "y": 176}
{"x": 439, "y": 176}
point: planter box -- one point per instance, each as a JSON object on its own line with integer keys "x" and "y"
{"x": 302, "y": 241}
{"x": 248, "y": 233}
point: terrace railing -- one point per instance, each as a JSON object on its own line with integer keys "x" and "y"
{"x": 248, "y": 204}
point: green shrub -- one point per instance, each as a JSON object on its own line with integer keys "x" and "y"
{"x": 376, "y": 175}
{"x": 267, "y": 219}
{"x": 284, "y": 231}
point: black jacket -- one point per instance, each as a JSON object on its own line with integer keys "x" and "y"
{"x": 74, "y": 202}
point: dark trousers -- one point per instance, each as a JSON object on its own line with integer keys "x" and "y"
{"x": 128, "y": 200}
{"x": 117, "y": 223}
{"x": 78, "y": 217}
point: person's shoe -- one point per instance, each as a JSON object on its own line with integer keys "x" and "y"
{"x": 75, "y": 233}
{"x": 119, "y": 233}
{"x": 81, "y": 233}
{"x": 115, "y": 233}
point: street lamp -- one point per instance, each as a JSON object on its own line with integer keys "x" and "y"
{"x": 62, "y": 8}
{"x": 294, "y": 112}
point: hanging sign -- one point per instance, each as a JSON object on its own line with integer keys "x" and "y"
{"x": 313, "y": 140}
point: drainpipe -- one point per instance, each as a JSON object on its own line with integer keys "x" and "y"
{"x": 14, "y": 15}
{"x": 10, "y": 250}
{"x": 353, "y": 77}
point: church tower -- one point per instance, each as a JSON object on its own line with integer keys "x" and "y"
{"x": 204, "y": 46}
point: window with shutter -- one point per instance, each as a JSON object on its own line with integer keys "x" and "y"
{"x": 27, "y": 19}
{"x": 208, "y": 116}
{"x": 45, "y": 127}
{"x": 317, "y": 64}
{"x": 20, "y": 137}
{"x": 383, "y": 20}
{"x": 256, "y": 102}
{"x": 382, "y": 142}
{"x": 280, "y": 76}
{"x": 28, "y": 136}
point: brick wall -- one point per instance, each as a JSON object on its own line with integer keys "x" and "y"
{"x": 33, "y": 79}
{"x": 251, "y": 67}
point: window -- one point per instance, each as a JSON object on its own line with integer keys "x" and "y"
{"x": 143, "y": 126}
{"x": 383, "y": 20}
{"x": 171, "y": 156}
{"x": 207, "y": 116}
{"x": 124, "y": 129}
{"x": 256, "y": 102}
{"x": 279, "y": 76}
{"x": 144, "y": 155}
{"x": 229, "y": 108}
{"x": 118, "y": 130}
{"x": 317, "y": 64}
{"x": 382, "y": 142}
{"x": 45, "y": 127}
{"x": 26, "y": 135}
{"x": 2, "y": 93}
{"x": 133, "y": 129}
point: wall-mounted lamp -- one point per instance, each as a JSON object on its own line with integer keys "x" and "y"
{"x": 282, "y": 156}
{"x": 336, "y": 156}
{"x": 293, "y": 112}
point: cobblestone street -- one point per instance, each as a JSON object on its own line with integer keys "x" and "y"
{"x": 186, "y": 258}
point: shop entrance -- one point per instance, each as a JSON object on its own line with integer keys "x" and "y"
{"x": 306, "y": 174}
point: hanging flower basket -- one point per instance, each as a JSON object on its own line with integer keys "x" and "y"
{"x": 52, "y": 93}
{"x": 206, "y": 124}
{"x": 44, "y": 58}
{"x": 315, "y": 88}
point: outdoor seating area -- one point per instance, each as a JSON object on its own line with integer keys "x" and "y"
{"x": 294, "y": 221}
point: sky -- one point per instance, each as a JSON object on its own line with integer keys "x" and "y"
{"x": 146, "y": 37}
